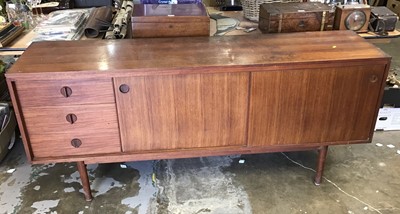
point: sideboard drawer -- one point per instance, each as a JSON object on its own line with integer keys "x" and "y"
{"x": 65, "y": 92}
{"x": 65, "y": 144}
{"x": 53, "y": 128}
{"x": 50, "y": 119}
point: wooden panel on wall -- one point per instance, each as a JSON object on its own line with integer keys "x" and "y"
{"x": 312, "y": 106}
{"x": 182, "y": 111}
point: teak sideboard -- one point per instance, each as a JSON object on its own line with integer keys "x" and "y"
{"x": 142, "y": 99}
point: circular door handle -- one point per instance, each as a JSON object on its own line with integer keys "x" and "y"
{"x": 373, "y": 78}
{"x": 71, "y": 118}
{"x": 66, "y": 91}
{"x": 76, "y": 143}
{"x": 124, "y": 88}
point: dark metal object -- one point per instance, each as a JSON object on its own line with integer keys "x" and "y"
{"x": 382, "y": 20}
{"x": 12, "y": 49}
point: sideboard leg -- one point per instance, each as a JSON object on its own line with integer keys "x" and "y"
{"x": 85, "y": 180}
{"x": 320, "y": 166}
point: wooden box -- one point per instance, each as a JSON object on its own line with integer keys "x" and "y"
{"x": 295, "y": 17}
{"x": 352, "y": 17}
{"x": 170, "y": 20}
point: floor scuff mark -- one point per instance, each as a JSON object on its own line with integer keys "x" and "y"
{"x": 69, "y": 189}
{"x": 146, "y": 196}
{"x": 44, "y": 206}
{"x": 201, "y": 186}
{"x": 13, "y": 196}
{"x": 334, "y": 184}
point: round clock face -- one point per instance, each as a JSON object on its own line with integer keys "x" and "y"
{"x": 355, "y": 20}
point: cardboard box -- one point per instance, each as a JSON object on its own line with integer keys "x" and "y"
{"x": 394, "y": 5}
{"x": 388, "y": 119}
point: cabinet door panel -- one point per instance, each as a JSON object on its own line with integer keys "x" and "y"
{"x": 182, "y": 111}
{"x": 313, "y": 106}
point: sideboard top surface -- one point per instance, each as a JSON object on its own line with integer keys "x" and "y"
{"x": 160, "y": 54}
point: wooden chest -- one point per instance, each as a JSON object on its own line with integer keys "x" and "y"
{"x": 170, "y": 20}
{"x": 295, "y": 17}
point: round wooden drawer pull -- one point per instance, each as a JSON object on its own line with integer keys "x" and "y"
{"x": 76, "y": 143}
{"x": 66, "y": 91}
{"x": 124, "y": 88}
{"x": 71, "y": 118}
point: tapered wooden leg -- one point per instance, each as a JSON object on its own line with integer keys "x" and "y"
{"x": 321, "y": 163}
{"x": 85, "y": 180}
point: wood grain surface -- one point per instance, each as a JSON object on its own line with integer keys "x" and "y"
{"x": 48, "y": 93}
{"x": 173, "y": 29}
{"x": 183, "y": 111}
{"x": 197, "y": 96}
{"x": 310, "y": 106}
{"x": 50, "y": 133}
{"x": 104, "y": 57}
{"x": 294, "y": 17}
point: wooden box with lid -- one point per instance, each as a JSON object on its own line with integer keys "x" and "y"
{"x": 95, "y": 102}
{"x": 295, "y": 17}
{"x": 170, "y": 20}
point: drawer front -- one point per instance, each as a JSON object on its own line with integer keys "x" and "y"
{"x": 72, "y": 130}
{"x": 64, "y": 92}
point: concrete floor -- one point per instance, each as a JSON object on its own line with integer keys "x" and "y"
{"x": 361, "y": 178}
